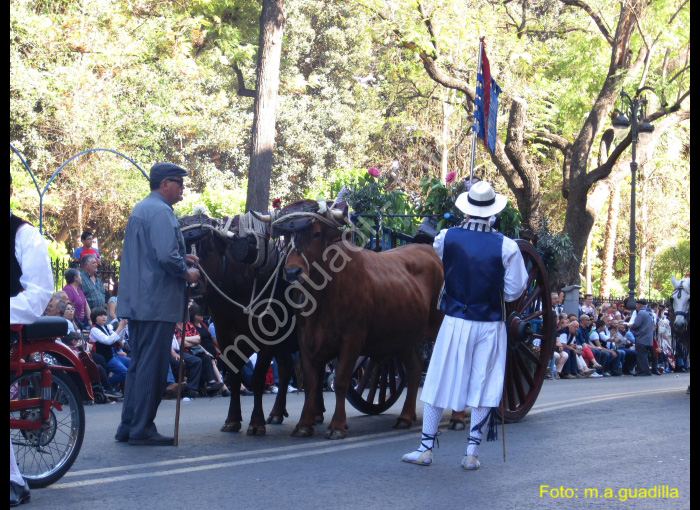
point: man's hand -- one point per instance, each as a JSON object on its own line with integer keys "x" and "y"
{"x": 191, "y": 275}
{"x": 192, "y": 260}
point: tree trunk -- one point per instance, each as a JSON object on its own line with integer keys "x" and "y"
{"x": 606, "y": 274}
{"x": 272, "y": 22}
{"x": 589, "y": 278}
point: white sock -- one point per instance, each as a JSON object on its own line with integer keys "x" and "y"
{"x": 480, "y": 416}
{"x": 431, "y": 421}
{"x": 15, "y": 475}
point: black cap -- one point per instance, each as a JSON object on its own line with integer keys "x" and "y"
{"x": 161, "y": 171}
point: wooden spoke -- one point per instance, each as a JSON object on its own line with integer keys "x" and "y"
{"x": 525, "y": 367}
{"x": 379, "y": 387}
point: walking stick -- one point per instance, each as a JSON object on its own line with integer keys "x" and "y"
{"x": 503, "y": 427}
{"x": 180, "y": 369}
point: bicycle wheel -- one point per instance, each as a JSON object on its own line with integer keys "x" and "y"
{"x": 45, "y": 455}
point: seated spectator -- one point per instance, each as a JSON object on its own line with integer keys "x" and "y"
{"x": 628, "y": 358}
{"x": 75, "y": 342}
{"x": 112, "y": 305}
{"x": 55, "y": 308}
{"x": 86, "y": 249}
{"x": 104, "y": 338}
{"x": 192, "y": 366}
{"x": 192, "y": 347}
{"x": 68, "y": 314}
{"x": 567, "y": 339}
{"x": 77, "y": 297}
{"x": 599, "y": 337}
{"x": 208, "y": 343}
{"x": 603, "y": 360}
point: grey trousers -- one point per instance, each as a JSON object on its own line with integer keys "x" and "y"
{"x": 146, "y": 379}
{"x": 643, "y": 358}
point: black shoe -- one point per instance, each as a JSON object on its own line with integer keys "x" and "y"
{"x": 643, "y": 374}
{"x": 19, "y": 494}
{"x": 121, "y": 438}
{"x": 226, "y": 393}
{"x": 213, "y": 387}
{"x": 154, "y": 440}
{"x": 190, "y": 394}
{"x": 113, "y": 394}
{"x": 246, "y": 392}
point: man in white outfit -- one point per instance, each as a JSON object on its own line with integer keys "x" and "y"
{"x": 31, "y": 285}
{"x": 483, "y": 270}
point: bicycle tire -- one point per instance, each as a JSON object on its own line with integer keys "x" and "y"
{"x": 45, "y": 456}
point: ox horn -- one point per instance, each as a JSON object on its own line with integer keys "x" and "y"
{"x": 266, "y": 218}
{"x": 337, "y": 214}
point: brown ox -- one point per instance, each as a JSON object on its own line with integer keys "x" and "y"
{"x": 357, "y": 302}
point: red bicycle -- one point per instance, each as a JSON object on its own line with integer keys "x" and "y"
{"x": 48, "y": 384}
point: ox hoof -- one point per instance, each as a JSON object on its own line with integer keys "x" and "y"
{"x": 302, "y": 431}
{"x": 256, "y": 430}
{"x": 234, "y": 426}
{"x": 275, "y": 420}
{"x": 336, "y": 434}
{"x": 457, "y": 425}
{"x": 319, "y": 419}
{"x": 403, "y": 423}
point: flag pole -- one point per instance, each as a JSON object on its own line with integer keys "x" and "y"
{"x": 474, "y": 127}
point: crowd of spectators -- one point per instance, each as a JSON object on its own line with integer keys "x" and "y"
{"x": 608, "y": 340}
{"x": 89, "y": 309}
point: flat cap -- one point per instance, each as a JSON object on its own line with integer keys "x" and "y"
{"x": 161, "y": 171}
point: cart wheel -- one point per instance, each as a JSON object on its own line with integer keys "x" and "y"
{"x": 378, "y": 386}
{"x": 45, "y": 455}
{"x": 530, "y": 327}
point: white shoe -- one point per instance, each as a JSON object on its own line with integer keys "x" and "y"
{"x": 274, "y": 389}
{"x": 417, "y": 457}
{"x": 470, "y": 463}
{"x": 595, "y": 375}
{"x": 291, "y": 389}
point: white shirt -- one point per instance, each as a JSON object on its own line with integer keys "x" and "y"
{"x": 96, "y": 335}
{"x": 37, "y": 278}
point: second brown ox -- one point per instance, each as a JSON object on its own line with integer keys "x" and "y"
{"x": 355, "y": 302}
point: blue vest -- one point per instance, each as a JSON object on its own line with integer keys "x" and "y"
{"x": 474, "y": 274}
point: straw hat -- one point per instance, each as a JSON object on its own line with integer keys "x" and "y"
{"x": 481, "y": 201}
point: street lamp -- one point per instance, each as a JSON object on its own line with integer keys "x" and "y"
{"x": 641, "y": 131}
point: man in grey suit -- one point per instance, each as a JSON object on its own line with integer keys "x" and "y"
{"x": 153, "y": 276}
{"x": 643, "y": 330}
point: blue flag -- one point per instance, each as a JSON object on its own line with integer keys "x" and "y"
{"x": 486, "y": 104}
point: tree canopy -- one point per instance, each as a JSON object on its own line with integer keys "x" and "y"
{"x": 362, "y": 83}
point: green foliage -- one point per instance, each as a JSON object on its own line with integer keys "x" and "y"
{"x": 673, "y": 260}
{"x": 510, "y": 220}
{"x": 553, "y": 248}
{"x": 439, "y": 199}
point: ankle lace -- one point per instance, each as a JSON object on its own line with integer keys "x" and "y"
{"x": 428, "y": 437}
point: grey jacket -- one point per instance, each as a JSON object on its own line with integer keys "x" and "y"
{"x": 643, "y": 328}
{"x": 151, "y": 287}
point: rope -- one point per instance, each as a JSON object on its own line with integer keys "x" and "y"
{"x": 248, "y": 309}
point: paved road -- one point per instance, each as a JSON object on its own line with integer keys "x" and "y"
{"x": 619, "y": 433}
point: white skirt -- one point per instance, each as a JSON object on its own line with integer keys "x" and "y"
{"x": 468, "y": 364}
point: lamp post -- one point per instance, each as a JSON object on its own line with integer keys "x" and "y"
{"x": 641, "y": 131}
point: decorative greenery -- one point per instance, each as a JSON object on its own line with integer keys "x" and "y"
{"x": 553, "y": 248}
{"x": 509, "y": 221}
{"x": 440, "y": 199}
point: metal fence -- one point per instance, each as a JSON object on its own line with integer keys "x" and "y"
{"x": 107, "y": 272}
{"x": 598, "y": 300}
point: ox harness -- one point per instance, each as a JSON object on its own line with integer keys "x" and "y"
{"x": 266, "y": 255}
